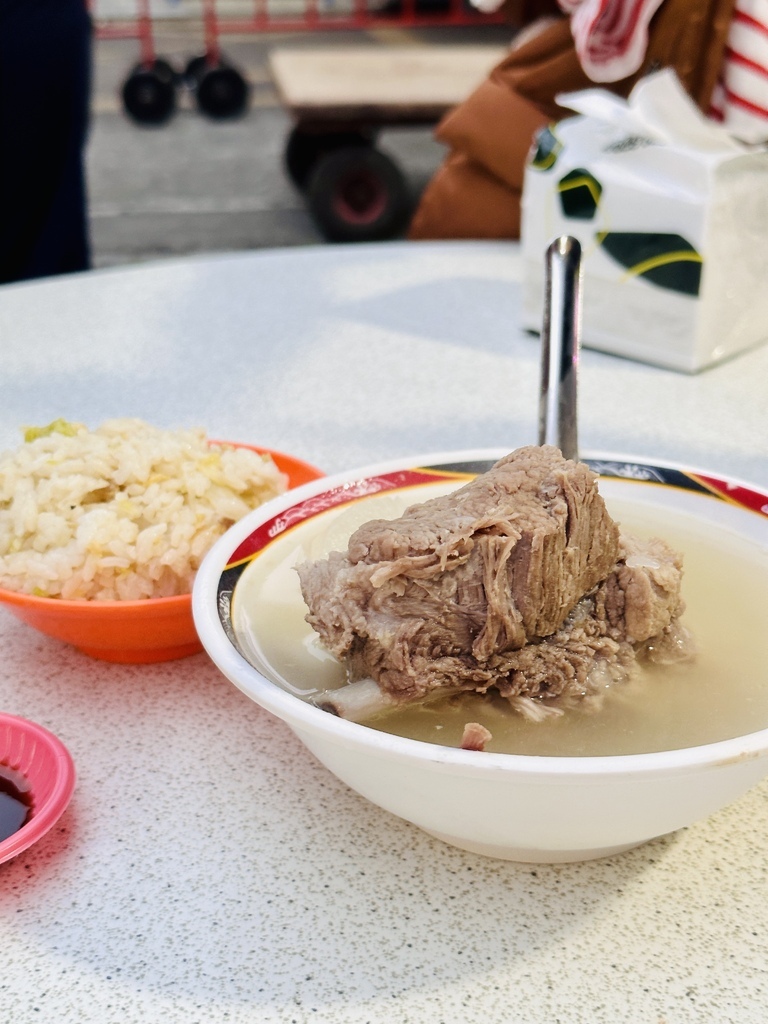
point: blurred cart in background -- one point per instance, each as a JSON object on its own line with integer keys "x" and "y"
{"x": 340, "y": 100}
{"x": 220, "y": 89}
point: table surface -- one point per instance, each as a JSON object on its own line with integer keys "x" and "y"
{"x": 207, "y": 868}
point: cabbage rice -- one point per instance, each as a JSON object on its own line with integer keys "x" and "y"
{"x": 123, "y": 512}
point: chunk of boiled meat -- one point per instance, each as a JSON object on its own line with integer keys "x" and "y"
{"x": 441, "y": 596}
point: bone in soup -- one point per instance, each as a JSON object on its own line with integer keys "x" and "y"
{"x": 720, "y": 694}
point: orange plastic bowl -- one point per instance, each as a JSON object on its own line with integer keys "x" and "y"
{"x": 45, "y": 766}
{"x": 154, "y": 629}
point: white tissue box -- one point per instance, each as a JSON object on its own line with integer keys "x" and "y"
{"x": 672, "y": 216}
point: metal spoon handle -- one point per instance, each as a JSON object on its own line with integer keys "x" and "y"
{"x": 561, "y": 338}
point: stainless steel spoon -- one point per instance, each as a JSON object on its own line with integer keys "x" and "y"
{"x": 560, "y": 345}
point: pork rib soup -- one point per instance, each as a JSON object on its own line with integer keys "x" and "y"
{"x": 720, "y": 692}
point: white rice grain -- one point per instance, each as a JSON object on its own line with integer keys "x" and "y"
{"x": 124, "y": 512}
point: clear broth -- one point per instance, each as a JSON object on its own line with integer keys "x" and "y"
{"x": 721, "y": 694}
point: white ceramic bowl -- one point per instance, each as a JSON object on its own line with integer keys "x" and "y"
{"x": 514, "y": 806}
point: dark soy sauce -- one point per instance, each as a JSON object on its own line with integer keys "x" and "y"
{"x": 15, "y": 801}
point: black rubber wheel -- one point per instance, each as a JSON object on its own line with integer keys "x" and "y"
{"x": 194, "y": 69}
{"x": 163, "y": 67}
{"x": 305, "y": 147}
{"x": 149, "y": 93}
{"x": 358, "y": 194}
{"x": 222, "y": 92}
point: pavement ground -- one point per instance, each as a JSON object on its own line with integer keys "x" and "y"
{"x": 196, "y": 185}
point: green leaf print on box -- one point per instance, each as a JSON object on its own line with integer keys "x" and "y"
{"x": 668, "y": 261}
{"x": 579, "y": 193}
{"x": 547, "y": 150}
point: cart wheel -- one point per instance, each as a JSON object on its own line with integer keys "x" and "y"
{"x": 166, "y": 70}
{"x": 221, "y": 92}
{"x": 194, "y": 69}
{"x": 358, "y": 194}
{"x": 304, "y": 148}
{"x": 149, "y": 93}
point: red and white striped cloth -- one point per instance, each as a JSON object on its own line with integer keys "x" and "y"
{"x": 611, "y": 36}
{"x": 611, "y": 39}
{"x": 740, "y": 100}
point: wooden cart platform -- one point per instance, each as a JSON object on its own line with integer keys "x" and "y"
{"x": 340, "y": 98}
{"x": 375, "y": 85}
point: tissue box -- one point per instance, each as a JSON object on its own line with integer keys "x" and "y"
{"x": 672, "y": 216}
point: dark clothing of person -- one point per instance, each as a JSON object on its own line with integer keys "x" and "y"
{"x": 45, "y": 84}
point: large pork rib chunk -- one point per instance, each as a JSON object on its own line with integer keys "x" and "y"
{"x": 435, "y": 597}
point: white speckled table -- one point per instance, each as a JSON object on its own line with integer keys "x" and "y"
{"x": 208, "y": 869}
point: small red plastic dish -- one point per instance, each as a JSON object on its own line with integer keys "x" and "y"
{"x": 139, "y": 632}
{"x": 45, "y": 763}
